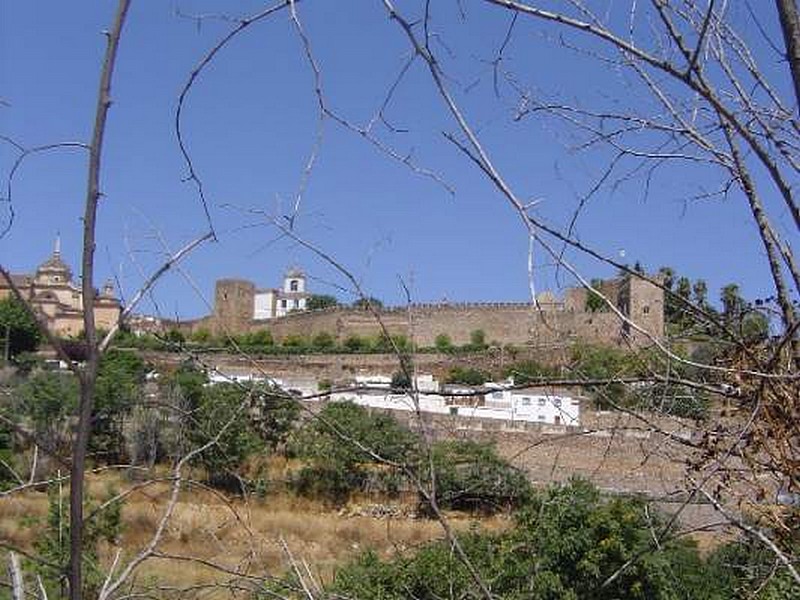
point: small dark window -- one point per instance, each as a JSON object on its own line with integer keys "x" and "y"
{"x": 293, "y": 285}
{"x": 646, "y": 310}
{"x": 283, "y": 303}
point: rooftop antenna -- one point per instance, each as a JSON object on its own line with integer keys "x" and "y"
{"x": 57, "y": 248}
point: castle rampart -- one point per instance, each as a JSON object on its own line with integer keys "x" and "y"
{"x": 552, "y": 322}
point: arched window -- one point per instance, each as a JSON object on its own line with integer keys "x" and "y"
{"x": 293, "y": 285}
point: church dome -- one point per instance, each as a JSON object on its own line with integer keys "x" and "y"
{"x": 54, "y": 269}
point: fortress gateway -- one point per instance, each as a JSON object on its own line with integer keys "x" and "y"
{"x": 239, "y": 307}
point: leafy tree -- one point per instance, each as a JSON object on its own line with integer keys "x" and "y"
{"x": 17, "y": 328}
{"x": 189, "y": 382}
{"x": 338, "y": 467}
{"x": 744, "y": 569}
{"x": 667, "y": 276}
{"x": 323, "y": 342}
{"x": 120, "y": 382}
{"x": 700, "y": 293}
{"x": 6, "y": 455}
{"x": 365, "y": 303}
{"x": 443, "y": 343}
{"x": 46, "y": 400}
{"x": 471, "y": 476}
{"x": 320, "y": 301}
{"x": 754, "y": 326}
{"x": 223, "y": 411}
{"x": 603, "y": 363}
{"x": 595, "y": 302}
{"x": 274, "y": 414}
{"x": 733, "y": 305}
{"x": 578, "y": 540}
{"x": 52, "y": 541}
{"x": 564, "y": 544}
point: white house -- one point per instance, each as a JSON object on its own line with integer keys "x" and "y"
{"x": 536, "y": 405}
{"x": 498, "y": 401}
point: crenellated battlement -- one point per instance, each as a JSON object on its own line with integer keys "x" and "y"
{"x": 552, "y": 321}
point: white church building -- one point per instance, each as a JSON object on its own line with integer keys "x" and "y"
{"x": 271, "y": 303}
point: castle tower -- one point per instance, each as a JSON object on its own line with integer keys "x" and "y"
{"x": 234, "y": 302}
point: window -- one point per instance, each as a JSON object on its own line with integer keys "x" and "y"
{"x": 646, "y": 310}
{"x": 283, "y": 303}
{"x": 557, "y": 401}
{"x": 542, "y": 418}
{"x": 541, "y": 401}
{"x": 526, "y": 402}
{"x": 293, "y": 285}
{"x": 497, "y": 395}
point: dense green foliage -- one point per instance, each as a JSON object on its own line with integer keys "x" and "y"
{"x": 610, "y": 366}
{"x": 52, "y": 540}
{"x": 468, "y": 376}
{"x": 7, "y": 477}
{"x": 688, "y": 312}
{"x": 443, "y": 343}
{"x": 220, "y": 426}
{"x": 234, "y": 422}
{"x": 343, "y": 445}
{"x": 18, "y": 329}
{"x": 348, "y": 449}
{"x": 594, "y": 301}
{"x": 566, "y": 544}
{"x": 529, "y": 372}
{"x": 45, "y": 401}
{"x": 120, "y": 381}
{"x": 471, "y": 476}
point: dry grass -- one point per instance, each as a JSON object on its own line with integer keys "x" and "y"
{"x": 212, "y": 527}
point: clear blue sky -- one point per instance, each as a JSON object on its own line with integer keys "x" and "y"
{"x": 250, "y": 124}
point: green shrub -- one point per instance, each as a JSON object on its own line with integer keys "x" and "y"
{"x": 471, "y": 476}
{"x": 21, "y": 328}
{"x": 443, "y": 343}
{"x": 342, "y": 444}
{"x": 356, "y": 343}
{"x": 468, "y": 376}
{"x": 565, "y": 544}
{"x": 323, "y": 341}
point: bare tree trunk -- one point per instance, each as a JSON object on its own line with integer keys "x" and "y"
{"x": 89, "y": 374}
{"x": 15, "y": 573}
{"x": 790, "y": 23}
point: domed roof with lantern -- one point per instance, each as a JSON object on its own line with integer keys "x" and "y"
{"x": 54, "y": 269}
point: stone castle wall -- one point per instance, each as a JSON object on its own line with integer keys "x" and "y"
{"x": 552, "y": 324}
